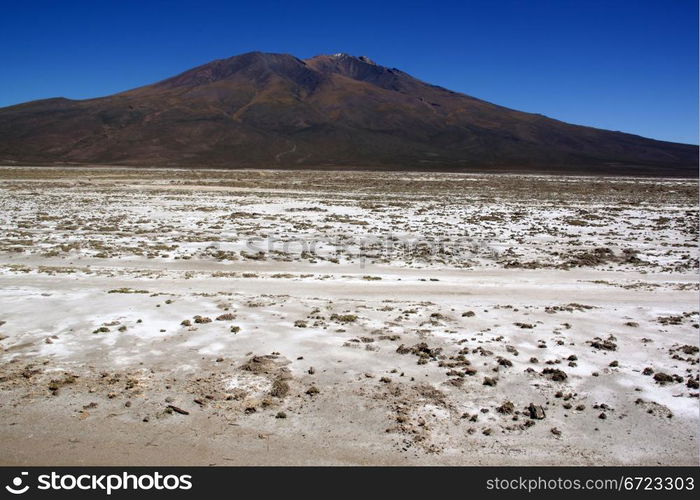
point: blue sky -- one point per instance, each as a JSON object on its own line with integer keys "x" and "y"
{"x": 622, "y": 65}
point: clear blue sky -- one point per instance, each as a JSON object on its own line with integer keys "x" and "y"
{"x": 622, "y": 65}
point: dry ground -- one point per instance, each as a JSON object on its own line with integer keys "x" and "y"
{"x": 282, "y": 317}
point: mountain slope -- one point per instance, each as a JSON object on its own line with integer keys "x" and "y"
{"x": 275, "y": 110}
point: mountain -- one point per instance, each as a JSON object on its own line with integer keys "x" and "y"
{"x": 330, "y": 111}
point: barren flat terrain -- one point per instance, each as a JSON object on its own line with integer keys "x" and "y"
{"x": 284, "y": 317}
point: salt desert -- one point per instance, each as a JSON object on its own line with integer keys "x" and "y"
{"x": 165, "y": 316}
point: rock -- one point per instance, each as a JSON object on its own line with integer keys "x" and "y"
{"x": 504, "y": 362}
{"x": 506, "y": 408}
{"x": 663, "y": 378}
{"x": 457, "y": 382}
{"x": 421, "y": 350}
{"x": 312, "y": 391}
{"x": 554, "y": 374}
{"x": 178, "y": 410}
{"x": 536, "y": 412}
{"x": 605, "y": 345}
{"x": 490, "y": 381}
{"x": 280, "y": 388}
{"x": 260, "y": 365}
{"x": 690, "y": 349}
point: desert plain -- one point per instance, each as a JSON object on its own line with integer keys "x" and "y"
{"x": 282, "y": 317}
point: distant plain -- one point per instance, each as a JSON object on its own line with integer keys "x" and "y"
{"x": 176, "y": 316}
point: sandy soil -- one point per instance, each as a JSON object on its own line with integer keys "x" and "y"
{"x": 263, "y": 317}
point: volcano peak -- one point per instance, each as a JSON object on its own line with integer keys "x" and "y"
{"x": 266, "y": 110}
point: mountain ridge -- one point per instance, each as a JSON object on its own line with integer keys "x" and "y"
{"x": 260, "y": 110}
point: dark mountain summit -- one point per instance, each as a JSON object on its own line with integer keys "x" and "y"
{"x": 330, "y": 111}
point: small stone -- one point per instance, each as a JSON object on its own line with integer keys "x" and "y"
{"x": 490, "y": 381}
{"x": 536, "y": 412}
